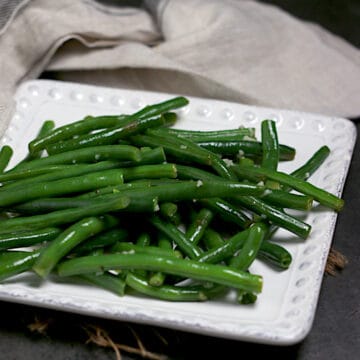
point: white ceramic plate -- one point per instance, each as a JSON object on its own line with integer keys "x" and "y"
{"x": 284, "y": 311}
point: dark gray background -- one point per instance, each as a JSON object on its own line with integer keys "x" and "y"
{"x": 335, "y": 333}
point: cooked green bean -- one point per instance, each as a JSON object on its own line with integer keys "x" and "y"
{"x": 103, "y": 240}
{"x": 60, "y": 217}
{"x": 175, "y": 190}
{"x": 45, "y": 129}
{"x": 164, "y": 292}
{"x": 275, "y": 215}
{"x": 138, "y": 203}
{"x": 212, "y": 239}
{"x": 227, "y": 211}
{"x": 80, "y": 127}
{"x": 253, "y": 203}
{"x": 178, "y": 237}
{"x": 283, "y": 199}
{"x": 65, "y": 171}
{"x": 245, "y": 148}
{"x": 12, "y": 175}
{"x": 68, "y": 240}
{"x": 169, "y": 211}
{"x": 6, "y": 153}
{"x": 107, "y": 281}
{"x": 213, "y": 135}
{"x": 149, "y": 172}
{"x": 223, "y": 250}
{"x": 16, "y": 262}
{"x": 198, "y": 226}
{"x": 191, "y": 172}
{"x": 129, "y": 247}
{"x": 183, "y": 150}
{"x": 315, "y": 161}
{"x": 246, "y": 298}
{"x": 162, "y": 107}
{"x": 275, "y": 254}
{"x": 322, "y": 196}
{"x": 75, "y": 184}
{"x": 270, "y": 145}
{"x": 250, "y": 248}
{"x": 182, "y": 267}
{"x": 87, "y": 155}
{"x": 27, "y": 238}
{"x": 158, "y": 278}
{"x": 111, "y": 135}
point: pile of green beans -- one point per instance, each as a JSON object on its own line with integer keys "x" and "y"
{"x": 133, "y": 205}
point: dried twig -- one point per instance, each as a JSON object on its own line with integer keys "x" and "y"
{"x": 101, "y": 338}
{"x": 336, "y": 261}
{"x": 40, "y": 326}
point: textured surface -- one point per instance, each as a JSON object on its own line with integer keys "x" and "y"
{"x": 284, "y": 311}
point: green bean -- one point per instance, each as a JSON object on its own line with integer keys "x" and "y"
{"x": 250, "y": 248}
{"x": 115, "y": 189}
{"x": 227, "y": 211}
{"x": 66, "y": 171}
{"x": 112, "y": 135}
{"x": 197, "y": 228}
{"x": 107, "y": 281}
{"x": 191, "y": 172}
{"x": 138, "y": 203}
{"x": 60, "y": 187}
{"x": 60, "y": 217}
{"x": 155, "y": 155}
{"x": 12, "y": 175}
{"x": 275, "y": 215}
{"x": 246, "y": 298}
{"x": 68, "y": 240}
{"x": 162, "y": 107}
{"x": 254, "y": 204}
{"x": 315, "y": 161}
{"x": 88, "y": 155}
{"x": 143, "y": 239}
{"x": 212, "y": 239}
{"x": 149, "y": 172}
{"x": 175, "y": 190}
{"x": 169, "y": 211}
{"x": 283, "y": 199}
{"x": 183, "y": 150}
{"x": 178, "y": 237}
{"x": 275, "y": 254}
{"x": 103, "y": 240}
{"x": 27, "y": 238}
{"x": 16, "y": 262}
{"x": 110, "y": 121}
{"x": 6, "y": 153}
{"x": 225, "y": 249}
{"x": 214, "y": 135}
{"x": 164, "y": 292}
{"x": 181, "y": 267}
{"x": 128, "y": 247}
{"x": 270, "y": 145}
{"x": 189, "y": 190}
{"x": 245, "y": 148}
{"x": 322, "y": 196}
{"x": 80, "y": 127}
{"x": 158, "y": 278}
{"x": 45, "y": 129}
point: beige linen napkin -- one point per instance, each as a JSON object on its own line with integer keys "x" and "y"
{"x": 239, "y": 50}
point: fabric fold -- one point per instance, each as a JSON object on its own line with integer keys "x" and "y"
{"x": 243, "y": 51}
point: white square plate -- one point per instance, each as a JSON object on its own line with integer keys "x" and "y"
{"x": 284, "y": 311}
